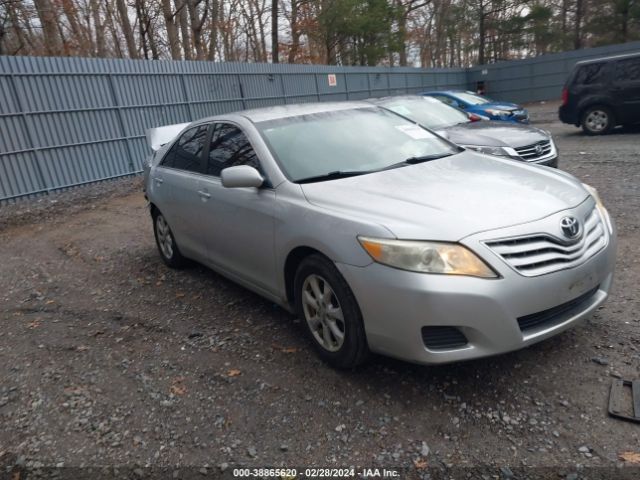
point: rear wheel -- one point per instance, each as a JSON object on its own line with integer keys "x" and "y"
{"x": 597, "y": 120}
{"x": 330, "y": 313}
{"x": 166, "y": 242}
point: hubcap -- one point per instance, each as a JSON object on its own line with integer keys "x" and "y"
{"x": 165, "y": 239}
{"x": 597, "y": 120}
{"x": 323, "y": 313}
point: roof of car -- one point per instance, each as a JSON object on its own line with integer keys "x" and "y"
{"x": 284, "y": 111}
{"x": 156, "y": 137}
{"x": 450, "y": 92}
{"x": 391, "y": 98}
{"x": 609, "y": 58}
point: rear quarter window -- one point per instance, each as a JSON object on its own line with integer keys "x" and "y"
{"x": 628, "y": 70}
{"x": 591, "y": 74}
{"x": 186, "y": 153}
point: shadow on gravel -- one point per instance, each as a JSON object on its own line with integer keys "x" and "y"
{"x": 618, "y": 131}
{"x": 486, "y": 378}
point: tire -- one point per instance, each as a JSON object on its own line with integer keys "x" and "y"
{"x": 597, "y": 120}
{"x": 166, "y": 242}
{"x": 337, "y": 313}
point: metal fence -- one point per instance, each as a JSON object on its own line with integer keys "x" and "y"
{"x": 70, "y": 121}
{"x": 539, "y": 78}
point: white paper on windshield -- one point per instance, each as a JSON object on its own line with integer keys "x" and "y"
{"x": 401, "y": 109}
{"x": 414, "y": 131}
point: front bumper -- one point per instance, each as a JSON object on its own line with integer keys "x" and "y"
{"x": 396, "y": 304}
{"x": 547, "y": 162}
{"x": 519, "y": 117}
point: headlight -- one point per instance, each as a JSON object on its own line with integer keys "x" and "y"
{"x": 497, "y": 151}
{"x": 426, "y": 257}
{"x": 497, "y": 113}
{"x": 600, "y": 206}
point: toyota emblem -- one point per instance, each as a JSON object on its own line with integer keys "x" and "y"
{"x": 570, "y": 227}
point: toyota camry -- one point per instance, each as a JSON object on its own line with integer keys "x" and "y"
{"x": 380, "y": 235}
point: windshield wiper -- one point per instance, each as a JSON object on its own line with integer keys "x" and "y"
{"x": 426, "y": 158}
{"x": 415, "y": 160}
{"x": 335, "y": 175}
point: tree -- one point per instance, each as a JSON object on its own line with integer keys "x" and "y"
{"x": 434, "y": 33}
{"x": 126, "y": 25}
{"x": 404, "y": 8}
{"x": 538, "y": 20}
{"x": 172, "y": 30}
{"x": 47, "y": 15}
{"x": 274, "y": 31}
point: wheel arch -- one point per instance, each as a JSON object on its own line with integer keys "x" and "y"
{"x": 293, "y": 260}
{"x": 591, "y": 102}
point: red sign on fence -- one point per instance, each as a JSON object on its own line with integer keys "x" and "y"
{"x": 333, "y": 81}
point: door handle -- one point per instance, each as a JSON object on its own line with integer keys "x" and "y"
{"x": 204, "y": 194}
{"x": 159, "y": 180}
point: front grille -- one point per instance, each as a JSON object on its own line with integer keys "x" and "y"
{"x": 534, "y": 151}
{"x": 542, "y": 253}
{"x": 443, "y": 338}
{"x": 555, "y": 315}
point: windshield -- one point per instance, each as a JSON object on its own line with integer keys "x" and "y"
{"x": 358, "y": 140}
{"x": 471, "y": 98}
{"x": 427, "y": 111}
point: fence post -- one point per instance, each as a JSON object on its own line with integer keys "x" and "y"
{"x": 118, "y": 107}
{"x": 244, "y": 103}
{"x": 284, "y": 93}
{"x": 186, "y": 97}
{"x": 346, "y": 85}
{"x": 315, "y": 77}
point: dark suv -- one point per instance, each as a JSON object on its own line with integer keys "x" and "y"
{"x": 602, "y": 93}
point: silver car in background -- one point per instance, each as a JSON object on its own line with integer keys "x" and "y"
{"x": 513, "y": 140}
{"x": 382, "y": 236}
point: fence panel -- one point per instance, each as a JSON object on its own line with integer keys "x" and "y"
{"x": 70, "y": 121}
{"x": 539, "y": 78}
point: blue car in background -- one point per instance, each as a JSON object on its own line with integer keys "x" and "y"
{"x": 481, "y": 106}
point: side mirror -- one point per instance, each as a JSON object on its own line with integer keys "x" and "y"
{"x": 242, "y": 176}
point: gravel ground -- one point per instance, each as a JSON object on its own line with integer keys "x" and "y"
{"x": 108, "y": 358}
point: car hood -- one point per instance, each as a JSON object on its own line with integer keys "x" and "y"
{"x": 498, "y": 106}
{"x": 493, "y": 134}
{"x": 450, "y": 198}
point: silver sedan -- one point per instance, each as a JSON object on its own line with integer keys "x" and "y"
{"x": 381, "y": 235}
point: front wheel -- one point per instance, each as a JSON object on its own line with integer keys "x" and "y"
{"x": 166, "y": 242}
{"x": 597, "y": 120}
{"x": 330, "y": 312}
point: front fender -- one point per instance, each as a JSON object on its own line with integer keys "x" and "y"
{"x": 299, "y": 223}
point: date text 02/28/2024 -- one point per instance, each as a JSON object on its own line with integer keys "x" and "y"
{"x": 292, "y": 473}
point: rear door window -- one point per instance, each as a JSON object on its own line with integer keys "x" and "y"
{"x": 591, "y": 74}
{"x": 628, "y": 70}
{"x": 186, "y": 153}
